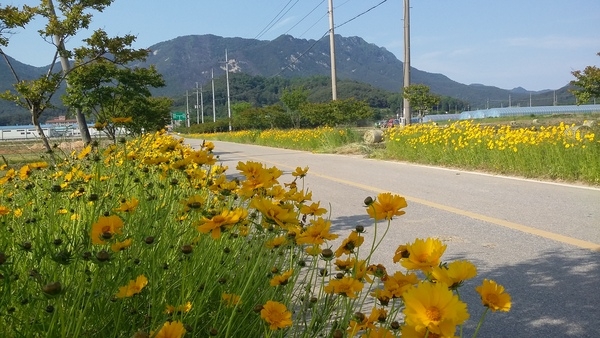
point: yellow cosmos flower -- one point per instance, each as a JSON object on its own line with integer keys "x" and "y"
{"x": 106, "y": 227}
{"x": 276, "y": 315}
{"x": 4, "y": 210}
{"x": 121, "y": 119}
{"x": 170, "y": 330}
{"x": 230, "y": 299}
{"x": 276, "y": 242}
{"x": 281, "y": 279}
{"x": 398, "y": 283}
{"x": 178, "y": 309}
{"x": 8, "y": 176}
{"x": 24, "y": 172}
{"x": 454, "y": 273}
{"x": 347, "y": 247}
{"x": 346, "y": 286}
{"x": 84, "y": 152}
{"x": 118, "y": 246}
{"x": 380, "y": 332}
{"x": 423, "y": 254}
{"x": 18, "y": 212}
{"x": 221, "y": 222}
{"x": 434, "y": 307}
{"x": 316, "y": 233}
{"x": 386, "y": 206}
{"x": 133, "y": 288}
{"x": 493, "y": 296}
{"x": 314, "y": 209}
{"x": 128, "y": 206}
{"x": 299, "y": 172}
{"x": 38, "y": 165}
{"x": 275, "y": 212}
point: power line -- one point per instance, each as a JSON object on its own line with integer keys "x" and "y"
{"x": 271, "y": 24}
{"x": 327, "y": 32}
{"x": 309, "y": 13}
{"x": 368, "y": 10}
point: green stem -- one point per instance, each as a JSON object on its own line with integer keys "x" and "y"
{"x": 480, "y": 322}
{"x": 230, "y": 322}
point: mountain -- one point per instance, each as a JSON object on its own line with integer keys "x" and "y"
{"x": 187, "y": 60}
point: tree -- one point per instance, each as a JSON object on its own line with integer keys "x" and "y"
{"x": 107, "y": 90}
{"x": 336, "y": 112}
{"x": 73, "y": 17}
{"x": 293, "y": 99}
{"x": 588, "y": 84}
{"x": 420, "y": 98}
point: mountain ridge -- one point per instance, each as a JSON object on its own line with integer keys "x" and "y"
{"x": 186, "y": 60}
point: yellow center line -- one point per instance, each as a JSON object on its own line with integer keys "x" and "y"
{"x": 507, "y": 224}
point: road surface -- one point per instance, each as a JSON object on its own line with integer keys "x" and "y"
{"x": 540, "y": 240}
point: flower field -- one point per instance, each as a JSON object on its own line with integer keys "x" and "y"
{"x": 318, "y": 139}
{"x": 564, "y": 152}
{"x": 151, "y": 238}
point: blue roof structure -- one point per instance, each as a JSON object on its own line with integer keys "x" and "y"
{"x": 524, "y": 111}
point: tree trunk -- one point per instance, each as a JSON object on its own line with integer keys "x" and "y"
{"x": 66, "y": 67}
{"x": 36, "y": 122}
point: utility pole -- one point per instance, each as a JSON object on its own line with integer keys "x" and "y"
{"x": 332, "y": 52}
{"x": 187, "y": 108}
{"x": 227, "y": 80}
{"x": 406, "y": 104}
{"x": 212, "y": 77}
{"x": 197, "y": 105}
{"x": 201, "y": 105}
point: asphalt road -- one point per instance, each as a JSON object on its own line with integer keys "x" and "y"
{"x": 540, "y": 240}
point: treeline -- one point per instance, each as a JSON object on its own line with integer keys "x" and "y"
{"x": 256, "y": 95}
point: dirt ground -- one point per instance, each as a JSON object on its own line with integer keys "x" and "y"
{"x": 35, "y": 146}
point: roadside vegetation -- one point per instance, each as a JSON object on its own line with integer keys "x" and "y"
{"x": 547, "y": 148}
{"x": 151, "y": 238}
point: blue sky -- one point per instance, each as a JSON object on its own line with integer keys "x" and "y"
{"x": 535, "y": 44}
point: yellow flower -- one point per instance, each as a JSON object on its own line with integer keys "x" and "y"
{"x": 380, "y": 332}
{"x": 38, "y": 165}
{"x": 423, "y": 254}
{"x": 118, "y": 246}
{"x": 493, "y": 296}
{"x": 128, "y": 206}
{"x": 299, "y": 172}
{"x": 84, "y": 152}
{"x": 454, "y": 273}
{"x": 346, "y": 286}
{"x": 18, "y": 212}
{"x": 121, "y": 119}
{"x": 314, "y": 209}
{"x": 106, "y": 227}
{"x": 398, "y": 283}
{"x": 276, "y": 315}
{"x": 230, "y": 299}
{"x": 220, "y": 222}
{"x": 4, "y": 210}
{"x": 434, "y": 307}
{"x": 274, "y": 212}
{"x": 276, "y": 242}
{"x": 353, "y": 241}
{"x": 316, "y": 233}
{"x": 133, "y": 288}
{"x": 178, "y": 309}
{"x": 386, "y": 206}
{"x": 170, "y": 330}
{"x": 24, "y": 172}
{"x": 281, "y": 279}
